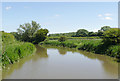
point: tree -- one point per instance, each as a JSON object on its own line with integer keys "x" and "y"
{"x": 62, "y": 39}
{"x": 31, "y": 32}
{"x": 105, "y": 28}
{"x": 82, "y": 33}
{"x": 100, "y": 33}
{"x": 102, "y": 30}
{"x": 16, "y": 35}
{"x": 27, "y": 31}
{"x": 112, "y": 36}
{"x": 92, "y": 34}
{"x": 40, "y": 35}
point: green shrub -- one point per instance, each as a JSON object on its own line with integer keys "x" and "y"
{"x": 26, "y": 49}
{"x": 62, "y": 39}
{"x": 57, "y": 43}
{"x": 73, "y": 43}
{"x": 53, "y": 43}
{"x": 14, "y": 52}
{"x": 7, "y": 38}
{"x": 69, "y": 44}
{"x": 112, "y": 36}
{"x": 114, "y": 51}
{"x": 89, "y": 46}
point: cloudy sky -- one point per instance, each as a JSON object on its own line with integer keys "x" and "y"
{"x": 60, "y": 17}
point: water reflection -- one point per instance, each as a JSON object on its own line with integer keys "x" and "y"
{"x": 43, "y": 62}
{"x": 62, "y": 51}
{"x": 109, "y": 64}
{"x": 41, "y": 52}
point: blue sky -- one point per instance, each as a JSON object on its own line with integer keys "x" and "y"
{"x": 60, "y": 17}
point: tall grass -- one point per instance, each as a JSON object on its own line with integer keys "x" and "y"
{"x": 90, "y": 46}
{"x": 14, "y": 52}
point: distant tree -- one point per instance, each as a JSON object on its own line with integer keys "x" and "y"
{"x": 102, "y": 30}
{"x": 82, "y": 33}
{"x": 70, "y": 34}
{"x": 92, "y": 34}
{"x": 105, "y": 28}
{"x": 62, "y": 39}
{"x": 100, "y": 33}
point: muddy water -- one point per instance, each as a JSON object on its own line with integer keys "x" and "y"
{"x": 62, "y": 63}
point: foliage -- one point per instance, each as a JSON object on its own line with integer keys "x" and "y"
{"x": 105, "y": 28}
{"x": 112, "y": 36}
{"x": 70, "y": 34}
{"x": 113, "y": 51}
{"x": 16, "y": 35}
{"x": 7, "y": 38}
{"x": 28, "y": 30}
{"x": 40, "y": 35}
{"x": 52, "y": 43}
{"x": 102, "y": 30}
{"x": 90, "y": 46}
{"x": 82, "y": 33}
{"x": 57, "y": 43}
{"x": 70, "y": 43}
{"x": 31, "y": 32}
{"x": 92, "y": 34}
{"x": 14, "y": 52}
{"x": 100, "y": 33}
{"x": 62, "y": 39}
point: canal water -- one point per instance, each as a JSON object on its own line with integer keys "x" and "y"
{"x": 62, "y": 63}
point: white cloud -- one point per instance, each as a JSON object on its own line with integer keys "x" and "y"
{"x": 107, "y": 14}
{"x": 108, "y": 18}
{"x": 8, "y": 7}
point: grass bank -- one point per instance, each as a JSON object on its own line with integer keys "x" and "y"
{"x": 94, "y": 46}
{"x": 13, "y": 50}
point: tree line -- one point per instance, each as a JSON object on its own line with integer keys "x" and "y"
{"x": 82, "y": 33}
